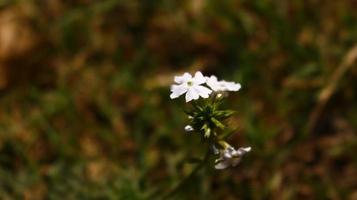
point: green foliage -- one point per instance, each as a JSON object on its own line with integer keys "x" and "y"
{"x": 207, "y": 118}
{"x": 85, "y": 113}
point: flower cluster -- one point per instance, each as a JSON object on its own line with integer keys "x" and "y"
{"x": 194, "y": 88}
{"x": 205, "y": 95}
{"x": 230, "y": 157}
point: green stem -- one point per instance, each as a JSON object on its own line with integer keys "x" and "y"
{"x": 187, "y": 178}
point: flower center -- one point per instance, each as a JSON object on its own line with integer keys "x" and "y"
{"x": 189, "y": 83}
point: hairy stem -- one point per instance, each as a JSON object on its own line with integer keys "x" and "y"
{"x": 183, "y": 182}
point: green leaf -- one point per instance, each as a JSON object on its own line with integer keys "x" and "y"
{"x": 200, "y": 118}
{"x": 197, "y": 106}
{"x": 207, "y": 131}
{"x": 217, "y": 123}
{"x": 224, "y": 114}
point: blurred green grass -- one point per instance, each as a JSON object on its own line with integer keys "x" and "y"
{"x": 85, "y": 112}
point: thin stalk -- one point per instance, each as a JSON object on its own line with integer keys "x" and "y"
{"x": 183, "y": 182}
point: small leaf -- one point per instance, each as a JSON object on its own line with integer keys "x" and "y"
{"x": 224, "y": 114}
{"x": 217, "y": 123}
{"x": 200, "y": 118}
{"x": 207, "y": 131}
{"x": 197, "y": 106}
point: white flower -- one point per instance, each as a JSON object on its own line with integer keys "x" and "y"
{"x": 220, "y": 86}
{"x": 189, "y": 128}
{"x": 192, "y": 86}
{"x": 230, "y": 157}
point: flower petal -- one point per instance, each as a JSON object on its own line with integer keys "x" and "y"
{"x": 241, "y": 151}
{"x": 232, "y": 86}
{"x": 213, "y": 78}
{"x": 213, "y": 83}
{"x": 222, "y": 165}
{"x": 177, "y": 90}
{"x": 182, "y": 79}
{"x": 191, "y": 94}
{"x": 202, "y": 91}
{"x": 227, "y": 155}
{"x": 189, "y": 128}
{"x": 199, "y": 78}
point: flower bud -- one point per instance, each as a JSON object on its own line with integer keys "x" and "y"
{"x": 189, "y": 128}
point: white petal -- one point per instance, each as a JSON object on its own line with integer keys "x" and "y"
{"x": 182, "y": 79}
{"x": 188, "y": 128}
{"x": 222, "y": 165}
{"x": 241, "y": 151}
{"x": 191, "y": 94}
{"x": 227, "y": 155}
{"x": 203, "y": 91}
{"x": 230, "y": 149}
{"x": 236, "y": 153}
{"x": 211, "y": 79}
{"x": 232, "y": 86}
{"x": 177, "y": 90}
{"x": 213, "y": 83}
{"x": 199, "y": 78}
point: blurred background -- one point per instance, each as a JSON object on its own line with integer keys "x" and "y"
{"x": 85, "y": 110}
